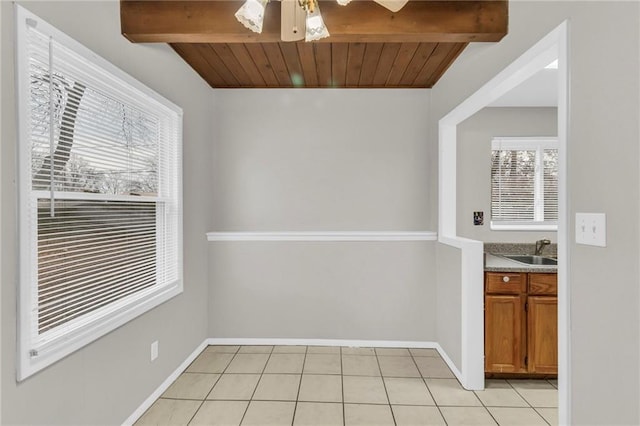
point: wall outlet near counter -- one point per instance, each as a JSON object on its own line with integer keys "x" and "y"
{"x": 591, "y": 229}
{"x": 478, "y": 218}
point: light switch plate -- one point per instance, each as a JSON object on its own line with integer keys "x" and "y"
{"x": 154, "y": 350}
{"x": 591, "y": 229}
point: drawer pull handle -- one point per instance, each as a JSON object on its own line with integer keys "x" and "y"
{"x": 505, "y": 279}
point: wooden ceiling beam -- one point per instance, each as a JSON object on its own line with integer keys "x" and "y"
{"x": 430, "y": 21}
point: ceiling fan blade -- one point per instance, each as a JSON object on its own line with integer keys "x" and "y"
{"x": 392, "y": 5}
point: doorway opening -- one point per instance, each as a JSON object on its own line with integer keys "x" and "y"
{"x": 471, "y": 374}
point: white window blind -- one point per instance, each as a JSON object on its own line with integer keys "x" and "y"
{"x": 524, "y": 183}
{"x": 100, "y": 195}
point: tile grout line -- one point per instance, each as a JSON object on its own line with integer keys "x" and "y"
{"x": 424, "y": 380}
{"x": 485, "y": 407}
{"x": 520, "y": 395}
{"x": 223, "y": 371}
{"x": 214, "y": 385}
{"x": 543, "y": 418}
{"x": 361, "y": 403}
{"x": 527, "y": 401}
{"x": 344, "y": 414}
{"x": 295, "y": 408}
{"x": 257, "y": 384}
{"x": 384, "y": 384}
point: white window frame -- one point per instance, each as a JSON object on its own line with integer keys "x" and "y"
{"x": 538, "y": 144}
{"x": 117, "y": 313}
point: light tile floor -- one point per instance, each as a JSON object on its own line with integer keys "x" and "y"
{"x": 324, "y": 386}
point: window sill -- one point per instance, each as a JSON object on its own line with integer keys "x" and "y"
{"x": 523, "y": 227}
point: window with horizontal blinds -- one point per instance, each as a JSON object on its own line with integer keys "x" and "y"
{"x": 524, "y": 183}
{"x": 550, "y": 184}
{"x": 100, "y": 195}
{"x": 92, "y": 253}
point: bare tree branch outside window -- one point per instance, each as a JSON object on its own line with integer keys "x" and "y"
{"x": 124, "y": 131}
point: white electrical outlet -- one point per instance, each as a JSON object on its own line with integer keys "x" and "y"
{"x": 154, "y": 350}
{"x": 591, "y": 229}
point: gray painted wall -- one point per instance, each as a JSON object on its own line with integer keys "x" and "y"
{"x": 323, "y": 290}
{"x": 449, "y": 293}
{"x": 602, "y": 177}
{"x": 104, "y": 382}
{"x": 474, "y": 166}
{"x": 321, "y": 160}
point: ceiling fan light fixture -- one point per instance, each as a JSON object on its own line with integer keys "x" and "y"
{"x": 343, "y": 2}
{"x": 316, "y": 29}
{"x": 251, "y": 14}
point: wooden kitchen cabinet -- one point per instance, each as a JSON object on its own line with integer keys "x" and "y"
{"x": 521, "y": 323}
{"x": 504, "y": 351}
{"x": 542, "y": 337}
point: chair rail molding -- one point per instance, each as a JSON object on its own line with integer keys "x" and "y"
{"x": 325, "y": 236}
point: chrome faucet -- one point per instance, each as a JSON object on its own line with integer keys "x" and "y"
{"x": 540, "y": 244}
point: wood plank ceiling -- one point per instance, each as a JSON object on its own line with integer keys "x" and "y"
{"x": 369, "y": 46}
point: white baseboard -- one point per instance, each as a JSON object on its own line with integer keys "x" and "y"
{"x": 286, "y": 342}
{"x": 164, "y": 386}
{"x": 326, "y": 342}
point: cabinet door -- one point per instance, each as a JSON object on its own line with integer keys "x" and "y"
{"x": 504, "y": 334}
{"x": 542, "y": 336}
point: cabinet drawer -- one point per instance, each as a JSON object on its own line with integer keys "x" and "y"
{"x": 543, "y": 284}
{"x": 505, "y": 283}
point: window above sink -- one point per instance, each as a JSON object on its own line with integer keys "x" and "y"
{"x": 524, "y": 183}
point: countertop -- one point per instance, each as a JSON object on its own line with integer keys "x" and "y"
{"x": 493, "y": 263}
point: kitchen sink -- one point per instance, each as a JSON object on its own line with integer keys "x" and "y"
{"x": 532, "y": 260}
